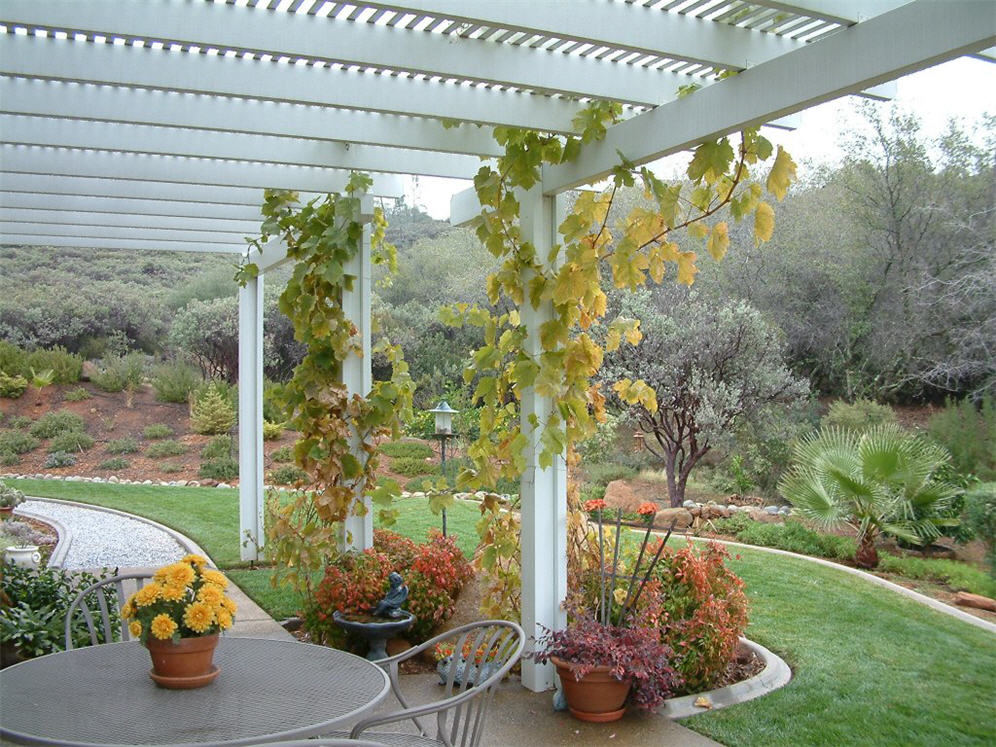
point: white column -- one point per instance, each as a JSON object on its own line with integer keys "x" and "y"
{"x": 251, "y": 418}
{"x": 357, "y": 531}
{"x": 543, "y": 492}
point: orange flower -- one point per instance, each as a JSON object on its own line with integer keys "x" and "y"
{"x": 647, "y": 509}
{"x": 596, "y": 504}
{"x": 198, "y": 617}
{"x": 163, "y": 627}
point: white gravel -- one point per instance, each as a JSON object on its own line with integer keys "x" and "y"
{"x": 102, "y": 539}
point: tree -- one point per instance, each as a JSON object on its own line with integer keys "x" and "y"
{"x": 880, "y": 481}
{"x": 711, "y": 368}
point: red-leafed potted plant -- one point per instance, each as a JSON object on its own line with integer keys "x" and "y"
{"x": 613, "y": 656}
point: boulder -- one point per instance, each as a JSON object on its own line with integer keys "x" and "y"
{"x": 977, "y": 601}
{"x": 619, "y": 494}
{"x": 665, "y": 516}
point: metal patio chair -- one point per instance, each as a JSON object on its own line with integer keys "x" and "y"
{"x": 94, "y": 605}
{"x": 325, "y": 743}
{"x": 468, "y": 690}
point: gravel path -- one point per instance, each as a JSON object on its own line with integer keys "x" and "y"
{"x": 103, "y": 539}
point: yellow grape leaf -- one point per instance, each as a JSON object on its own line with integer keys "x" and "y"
{"x": 628, "y": 270}
{"x": 642, "y": 226}
{"x": 657, "y": 266}
{"x": 782, "y": 174}
{"x": 636, "y": 393}
{"x": 764, "y": 223}
{"x": 719, "y": 241}
{"x": 686, "y": 267}
{"x": 570, "y": 285}
{"x": 698, "y": 230}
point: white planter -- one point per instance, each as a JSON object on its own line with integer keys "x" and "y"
{"x": 26, "y": 556}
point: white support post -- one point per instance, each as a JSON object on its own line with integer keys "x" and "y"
{"x": 251, "y": 536}
{"x": 543, "y": 491}
{"x": 357, "y": 531}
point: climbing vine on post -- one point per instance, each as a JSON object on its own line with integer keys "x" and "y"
{"x": 338, "y": 429}
{"x": 570, "y": 280}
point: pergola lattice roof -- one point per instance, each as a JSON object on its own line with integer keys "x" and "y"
{"x": 156, "y": 124}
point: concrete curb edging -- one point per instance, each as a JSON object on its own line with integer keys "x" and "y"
{"x": 185, "y": 542}
{"x": 65, "y": 536}
{"x": 776, "y": 674}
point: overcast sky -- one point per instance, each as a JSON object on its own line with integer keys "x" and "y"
{"x": 964, "y": 88}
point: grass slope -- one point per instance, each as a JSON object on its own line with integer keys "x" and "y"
{"x": 869, "y": 666}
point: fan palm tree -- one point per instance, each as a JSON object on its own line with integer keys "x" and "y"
{"x": 883, "y": 481}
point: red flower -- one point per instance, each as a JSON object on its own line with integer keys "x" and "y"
{"x": 647, "y": 509}
{"x": 596, "y": 504}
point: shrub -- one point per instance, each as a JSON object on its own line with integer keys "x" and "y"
{"x": 221, "y": 468}
{"x": 118, "y": 373}
{"x": 59, "y": 459}
{"x": 76, "y": 395}
{"x": 442, "y": 563}
{"x": 704, "y": 608}
{"x": 406, "y": 449}
{"x": 969, "y": 433}
{"x": 211, "y": 412}
{"x": 165, "y": 448}
{"x": 792, "y": 536}
{"x": 13, "y": 360}
{"x": 287, "y": 474}
{"x": 858, "y": 417}
{"x": 170, "y": 467}
{"x": 272, "y": 431}
{"x": 980, "y": 515}
{"x": 126, "y": 445}
{"x": 34, "y": 621}
{"x": 114, "y": 463}
{"x": 601, "y": 474}
{"x": 273, "y": 409}
{"x": 157, "y": 430}
{"x": 173, "y": 382}
{"x": 66, "y": 367}
{"x": 16, "y": 442}
{"x": 70, "y": 441}
{"x": 53, "y": 423}
{"x": 10, "y": 497}
{"x": 19, "y": 421}
{"x": 283, "y": 454}
{"x": 402, "y": 550}
{"x": 412, "y": 466}
{"x": 12, "y": 387}
{"x": 9, "y": 458}
{"x": 954, "y": 573}
{"x": 217, "y": 447}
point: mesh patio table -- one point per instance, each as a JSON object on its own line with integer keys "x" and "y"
{"x": 267, "y": 690}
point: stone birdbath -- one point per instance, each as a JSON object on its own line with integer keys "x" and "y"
{"x": 387, "y": 620}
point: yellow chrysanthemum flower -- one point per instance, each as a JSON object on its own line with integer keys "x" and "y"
{"x": 214, "y": 577}
{"x": 197, "y": 560}
{"x": 128, "y": 611}
{"x": 229, "y": 605}
{"x": 198, "y": 617}
{"x": 211, "y": 594}
{"x": 224, "y": 618}
{"x": 179, "y": 574}
{"x": 135, "y": 628}
{"x": 163, "y": 626}
{"x": 172, "y": 592}
{"x": 146, "y": 595}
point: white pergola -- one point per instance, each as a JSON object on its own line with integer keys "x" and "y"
{"x": 157, "y": 124}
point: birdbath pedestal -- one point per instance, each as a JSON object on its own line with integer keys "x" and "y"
{"x": 376, "y": 630}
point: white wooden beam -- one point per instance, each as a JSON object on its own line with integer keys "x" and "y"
{"x": 20, "y": 129}
{"x": 912, "y": 37}
{"x": 66, "y": 185}
{"x": 226, "y": 26}
{"x": 128, "y": 166}
{"x": 226, "y": 229}
{"x": 143, "y": 243}
{"x": 52, "y": 98}
{"x": 844, "y": 12}
{"x": 251, "y": 497}
{"x": 235, "y": 241}
{"x": 129, "y": 206}
{"x": 61, "y": 59}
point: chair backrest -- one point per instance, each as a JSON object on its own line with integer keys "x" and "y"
{"x": 325, "y": 743}
{"x": 95, "y": 603}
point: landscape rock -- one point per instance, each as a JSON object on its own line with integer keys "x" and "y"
{"x": 689, "y": 504}
{"x": 665, "y": 516}
{"x": 223, "y": 485}
{"x": 619, "y": 494}
{"x": 965, "y": 599}
{"x": 771, "y": 509}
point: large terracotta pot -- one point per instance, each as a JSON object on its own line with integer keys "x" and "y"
{"x": 598, "y": 696}
{"x": 183, "y": 665}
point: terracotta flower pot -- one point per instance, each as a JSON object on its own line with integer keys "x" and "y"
{"x": 183, "y": 665}
{"x": 598, "y": 696}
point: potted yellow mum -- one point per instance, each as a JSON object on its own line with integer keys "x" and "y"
{"x": 178, "y": 616}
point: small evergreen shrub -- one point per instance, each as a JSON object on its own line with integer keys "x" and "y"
{"x": 173, "y": 382}
{"x": 127, "y": 445}
{"x": 222, "y": 468}
{"x": 980, "y": 516}
{"x": 114, "y": 463}
{"x": 9, "y": 458}
{"x": 406, "y": 449}
{"x": 272, "y": 431}
{"x": 19, "y": 421}
{"x": 166, "y": 448}
{"x": 12, "y": 387}
{"x": 70, "y": 441}
{"x": 858, "y": 417}
{"x": 412, "y": 466}
{"x": 13, "y": 360}
{"x": 953, "y": 573}
{"x": 58, "y": 459}
{"x": 211, "y": 412}
{"x": 66, "y": 367}
{"x": 118, "y": 373}
{"x": 969, "y": 433}
{"x": 76, "y": 395}
{"x": 283, "y": 454}
{"x": 792, "y": 536}
{"x": 217, "y": 447}
{"x": 53, "y": 423}
{"x": 17, "y": 442}
{"x": 287, "y": 474}
{"x": 157, "y": 430}
{"x": 170, "y": 467}
{"x": 10, "y": 497}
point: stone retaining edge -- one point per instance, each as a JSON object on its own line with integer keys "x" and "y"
{"x": 776, "y": 674}
{"x": 65, "y": 536}
{"x": 185, "y": 542}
